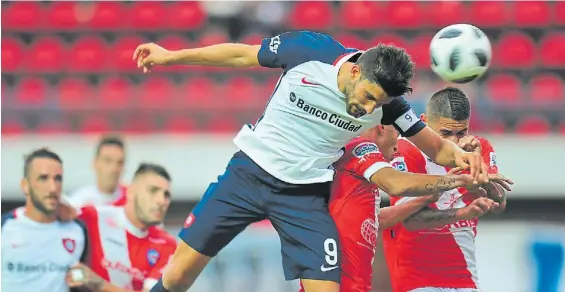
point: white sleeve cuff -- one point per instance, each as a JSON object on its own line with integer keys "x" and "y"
{"x": 374, "y": 168}
{"x": 149, "y": 283}
{"x": 404, "y": 200}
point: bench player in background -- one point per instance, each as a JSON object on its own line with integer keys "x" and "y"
{"x": 108, "y": 166}
{"x": 434, "y": 249}
{"x": 326, "y": 95}
{"x": 128, "y": 249}
{"x": 37, "y": 248}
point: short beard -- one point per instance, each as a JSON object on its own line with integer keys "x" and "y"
{"x": 37, "y": 204}
{"x": 140, "y": 217}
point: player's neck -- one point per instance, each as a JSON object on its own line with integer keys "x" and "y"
{"x": 105, "y": 189}
{"x": 35, "y": 215}
{"x": 132, "y": 218}
{"x": 343, "y": 76}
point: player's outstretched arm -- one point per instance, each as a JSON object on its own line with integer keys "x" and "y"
{"x": 390, "y": 216}
{"x": 428, "y": 218}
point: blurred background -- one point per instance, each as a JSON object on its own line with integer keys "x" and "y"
{"x": 68, "y": 78}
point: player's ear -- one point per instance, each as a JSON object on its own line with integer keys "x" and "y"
{"x": 24, "y": 185}
{"x": 423, "y": 118}
{"x": 355, "y": 72}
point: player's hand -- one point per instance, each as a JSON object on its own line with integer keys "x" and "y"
{"x": 474, "y": 162}
{"x": 81, "y": 275}
{"x": 66, "y": 212}
{"x": 477, "y": 208}
{"x": 470, "y": 144}
{"x": 149, "y": 55}
{"x": 455, "y": 170}
{"x": 501, "y": 180}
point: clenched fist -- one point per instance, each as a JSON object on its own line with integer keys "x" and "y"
{"x": 151, "y": 54}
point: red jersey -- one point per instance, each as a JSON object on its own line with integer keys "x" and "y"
{"x": 441, "y": 257}
{"x": 122, "y": 254}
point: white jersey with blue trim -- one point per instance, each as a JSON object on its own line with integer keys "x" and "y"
{"x": 305, "y": 124}
{"x": 36, "y": 256}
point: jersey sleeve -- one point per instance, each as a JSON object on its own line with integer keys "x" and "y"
{"x": 399, "y": 113}
{"x": 366, "y": 159}
{"x": 157, "y": 270}
{"x": 407, "y": 159}
{"x": 489, "y": 155}
{"x": 291, "y": 49}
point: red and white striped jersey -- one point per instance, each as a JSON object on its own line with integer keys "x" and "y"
{"x": 441, "y": 257}
{"x": 121, "y": 253}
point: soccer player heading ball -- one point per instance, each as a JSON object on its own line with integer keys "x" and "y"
{"x": 327, "y": 95}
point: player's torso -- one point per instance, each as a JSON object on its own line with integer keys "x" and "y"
{"x": 119, "y": 256}
{"x": 36, "y": 257}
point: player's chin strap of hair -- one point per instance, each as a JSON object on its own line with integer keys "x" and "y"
{"x": 159, "y": 287}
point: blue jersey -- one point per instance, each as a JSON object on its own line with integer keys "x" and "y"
{"x": 305, "y": 123}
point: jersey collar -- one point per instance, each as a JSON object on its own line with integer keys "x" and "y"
{"x": 128, "y": 226}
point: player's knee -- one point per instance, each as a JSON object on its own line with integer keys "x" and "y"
{"x": 185, "y": 266}
{"x": 319, "y": 285}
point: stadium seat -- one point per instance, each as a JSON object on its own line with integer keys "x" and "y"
{"x": 50, "y": 127}
{"x": 115, "y": 93}
{"x": 361, "y": 15}
{"x": 95, "y": 125}
{"x": 173, "y": 42}
{"x": 220, "y": 124}
{"x": 156, "y": 92}
{"x": 62, "y": 15}
{"x": 12, "y": 127}
{"x": 107, "y": 16}
{"x": 404, "y": 14}
{"x": 47, "y": 55}
{"x": 253, "y": 38}
{"x": 88, "y": 54}
{"x": 533, "y": 125}
{"x": 185, "y": 15}
{"x": 138, "y": 124}
{"x": 122, "y": 53}
{"x": 199, "y": 93}
{"x": 12, "y": 54}
{"x": 559, "y": 9}
{"x": 31, "y": 91}
{"x": 74, "y": 93}
{"x": 489, "y": 13}
{"x": 532, "y": 13}
{"x": 180, "y": 124}
{"x": 311, "y": 15}
{"x": 514, "y": 50}
{"x": 388, "y": 39}
{"x": 148, "y": 16}
{"x": 562, "y": 128}
{"x": 351, "y": 40}
{"x": 242, "y": 93}
{"x": 552, "y": 47}
{"x": 504, "y": 89}
{"x": 547, "y": 88}
{"x": 419, "y": 50}
{"x": 209, "y": 38}
{"x": 444, "y": 13}
{"x": 22, "y": 16}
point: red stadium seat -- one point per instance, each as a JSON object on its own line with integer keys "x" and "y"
{"x": 47, "y": 55}
{"x": 350, "y": 40}
{"x": 405, "y": 14}
{"x": 95, "y": 125}
{"x": 547, "y": 88}
{"x": 504, "y": 88}
{"x": 561, "y": 128}
{"x": 532, "y": 13}
{"x": 559, "y": 9}
{"x": 74, "y": 93}
{"x": 180, "y": 124}
{"x": 489, "y": 13}
{"x": 514, "y": 50}
{"x": 242, "y": 93}
{"x": 156, "y": 92}
{"x": 311, "y": 15}
{"x": 419, "y": 50}
{"x": 150, "y": 15}
{"x": 552, "y": 49}
{"x": 223, "y": 124}
{"x": 115, "y": 93}
{"x": 199, "y": 92}
{"x": 108, "y": 16}
{"x": 185, "y": 15}
{"x": 60, "y": 126}
{"x": 62, "y": 15}
{"x": 31, "y": 91}
{"x": 12, "y": 54}
{"x": 533, "y": 125}
{"x": 138, "y": 124}
{"x": 173, "y": 42}
{"x": 209, "y": 38}
{"x": 252, "y": 39}
{"x": 444, "y": 13}
{"x": 22, "y": 15}
{"x": 12, "y": 128}
{"x": 88, "y": 54}
{"x": 389, "y": 39}
{"x": 362, "y": 15}
{"x": 122, "y": 53}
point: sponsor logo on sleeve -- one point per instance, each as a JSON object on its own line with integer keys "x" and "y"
{"x": 274, "y": 44}
{"x": 364, "y": 149}
{"x": 399, "y": 164}
{"x": 492, "y": 159}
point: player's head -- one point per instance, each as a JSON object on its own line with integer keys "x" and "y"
{"x": 448, "y": 113}
{"x": 379, "y": 75}
{"x": 385, "y": 137}
{"x": 42, "y": 181}
{"x": 149, "y": 195}
{"x": 109, "y": 162}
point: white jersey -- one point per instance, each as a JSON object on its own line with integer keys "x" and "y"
{"x": 91, "y": 195}
{"x": 305, "y": 124}
{"x": 36, "y": 256}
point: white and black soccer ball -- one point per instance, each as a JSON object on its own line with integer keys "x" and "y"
{"x": 460, "y": 53}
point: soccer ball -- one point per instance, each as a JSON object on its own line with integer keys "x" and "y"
{"x": 460, "y": 53}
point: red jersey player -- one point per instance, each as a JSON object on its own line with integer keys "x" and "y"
{"x": 127, "y": 251}
{"x": 434, "y": 249}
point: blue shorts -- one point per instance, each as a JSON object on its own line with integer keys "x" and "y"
{"x": 246, "y": 193}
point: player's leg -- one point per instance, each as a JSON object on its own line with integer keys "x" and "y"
{"x": 226, "y": 208}
{"x": 310, "y": 243}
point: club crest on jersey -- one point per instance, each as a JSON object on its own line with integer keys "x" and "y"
{"x": 364, "y": 149}
{"x": 189, "y": 220}
{"x": 152, "y": 256}
{"x": 399, "y": 164}
{"x": 69, "y": 244}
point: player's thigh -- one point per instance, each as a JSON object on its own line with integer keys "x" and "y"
{"x": 309, "y": 238}
{"x": 227, "y": 207}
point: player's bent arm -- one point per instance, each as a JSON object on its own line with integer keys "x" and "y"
{"x": 220, "y": 55}
{"x": 428, "y": 218}
{"x": 441, "y": 151}
{"x": 406, "y": 184}
{"x": 390, "y": 216}
{"x": 498, "y": 195}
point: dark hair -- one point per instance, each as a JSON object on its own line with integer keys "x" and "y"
{"x": 388, "y": 66}
{"x": 39, "y": 153}
{"x": 152, "y": 168}
{"x": 451, "y": 103}
{"x": 110, "y": 141}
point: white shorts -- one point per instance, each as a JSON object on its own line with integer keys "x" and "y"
{"x": 432, "y": 289}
